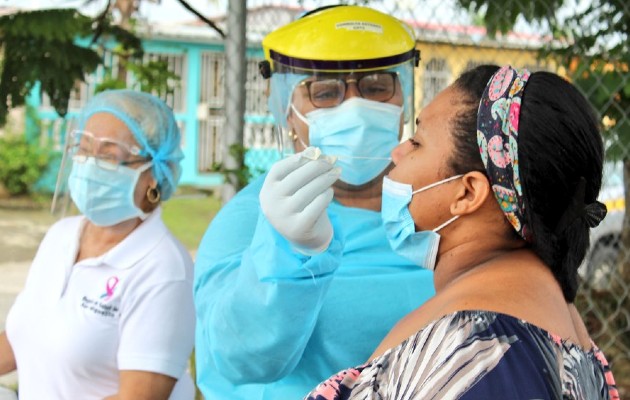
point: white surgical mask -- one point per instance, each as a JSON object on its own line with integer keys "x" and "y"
{"x": 360, "y": 133}
{"x": 419, "y": 247}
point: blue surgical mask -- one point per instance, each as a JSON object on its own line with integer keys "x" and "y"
{"x": 105, "y": 197}
{"x": 360, "y": 133}
{"x": 419, "y": 247}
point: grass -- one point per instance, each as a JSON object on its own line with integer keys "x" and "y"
{"x": 188, "y": 217}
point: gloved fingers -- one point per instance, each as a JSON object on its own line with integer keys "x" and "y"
{"x": 313, "y": 188}
{"x": 303, "y": 176}
{"x": 322, "y": 234}
{"x": 314, "y": 210}
{"x": 311, "y": 152}
{"x": 286, "y": 166}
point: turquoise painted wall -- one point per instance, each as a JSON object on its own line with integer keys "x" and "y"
{"x": 258, "y": 160}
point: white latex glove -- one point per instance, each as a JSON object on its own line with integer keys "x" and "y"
{"x": 294, "y": 198}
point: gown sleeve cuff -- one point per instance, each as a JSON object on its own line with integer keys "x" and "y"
{"x": 274, "y": 257}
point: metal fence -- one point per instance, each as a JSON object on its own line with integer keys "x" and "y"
{"x": 453, "y": 39}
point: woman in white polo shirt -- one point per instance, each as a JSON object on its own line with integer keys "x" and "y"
{"x": 107, "y": 309}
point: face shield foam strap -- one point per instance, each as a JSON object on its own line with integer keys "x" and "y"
{"x": 343, "y": 65}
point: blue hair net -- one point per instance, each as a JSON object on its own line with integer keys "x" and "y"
{"x": 152, "y": 124}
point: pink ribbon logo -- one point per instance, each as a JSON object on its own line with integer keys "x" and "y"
{"x": 109, "y": 287}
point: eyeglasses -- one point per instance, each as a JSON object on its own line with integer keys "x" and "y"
{"x": 108, "y": 153}
{"x": 326, "y": 93}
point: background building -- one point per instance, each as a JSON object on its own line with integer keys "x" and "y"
{"x": 196, "y": 54}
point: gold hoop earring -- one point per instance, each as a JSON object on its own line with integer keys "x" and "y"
{"x": 153, "y": 195}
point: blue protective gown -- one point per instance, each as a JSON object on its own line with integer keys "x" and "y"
{"x": 272, "y": 323}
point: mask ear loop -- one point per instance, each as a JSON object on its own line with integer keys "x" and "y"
{"x": 294, "y": 136}
{"x": 446, "y": 223}
{"x": 452, "y": 178}
{"x": 438, "y": 183}
{"x": 300, "y": 116}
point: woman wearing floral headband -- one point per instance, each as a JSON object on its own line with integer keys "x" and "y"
{"x": 513, "y": 228}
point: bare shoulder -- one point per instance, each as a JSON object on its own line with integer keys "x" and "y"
{"x": 410, "y": 324}
{"x": 530, "y": 294}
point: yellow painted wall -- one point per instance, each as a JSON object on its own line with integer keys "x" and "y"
{"x": 458, "y": 56}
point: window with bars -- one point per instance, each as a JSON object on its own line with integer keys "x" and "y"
{"x": 84, "y": 90}
{"x": 212, "y": 91}
{"x": 436, "y": 78}
{"x": 255, "y": 89}
{"x": 211, "y": 112}
{"x": 177, "y": 64}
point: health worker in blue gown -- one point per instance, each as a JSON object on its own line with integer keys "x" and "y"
{"x": 295, "y": 278}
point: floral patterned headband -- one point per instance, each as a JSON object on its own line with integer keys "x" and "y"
{"x": 497, "y": 134}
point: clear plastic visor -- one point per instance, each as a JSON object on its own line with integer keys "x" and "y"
{"x": 359, "y": 129}
{"x": 107, "y": 153}
{"x": 285, "y": 79}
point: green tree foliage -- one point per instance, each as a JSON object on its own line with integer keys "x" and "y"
{"x": 500, "y": 16}
{"x": 153, "y": 76}
{"x": 21, "y": 163}
{"x": 40, "y": 46}
{"x": 238, "y": 177}
{"x": 592, "y": 44}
